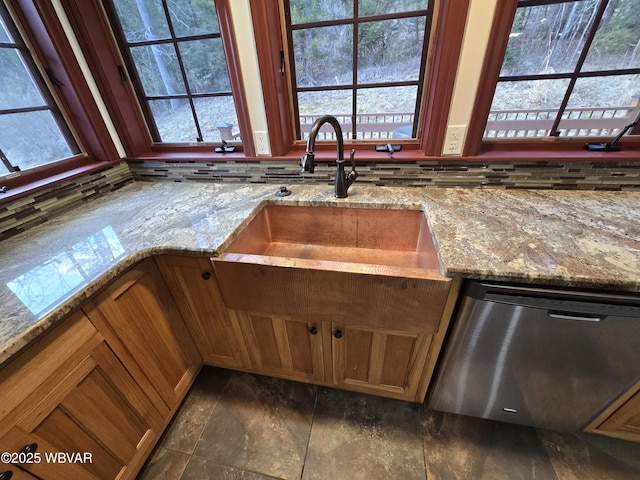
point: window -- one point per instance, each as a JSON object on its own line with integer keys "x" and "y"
{"x": 362, "y": 61}
{"x": 175, "y": 56}
{"x": 571, "y": 69}
{"x": 33, "y": 131}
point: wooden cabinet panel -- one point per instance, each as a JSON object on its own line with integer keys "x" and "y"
{"x": 141, "y": 323}
{"x": 91, "y": 408}
{"x": 46, "y": 361}
{"x": 11, "y": 472}
{"x": 379, "y": 361}
{"x": 195, "y": 290}
{"x": 622, "y": 419}
{"x": 282, "y": 346}
{"x": 14, "y": 473}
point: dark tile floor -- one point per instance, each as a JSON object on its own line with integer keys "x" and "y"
{"x": 238, "y": 426}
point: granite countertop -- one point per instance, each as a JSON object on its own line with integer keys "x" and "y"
{"x": 574, "y": 238}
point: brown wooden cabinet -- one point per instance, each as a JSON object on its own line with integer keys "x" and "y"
{"x": 622, "y": 418}
{"x": 195, "y": 291}
{"x": 378, "y": 361}
{"x": 15, "y": 473}
{"x": 69, "y": 398}
{"x": 347, "y": 354}
{"x": 394, "y": 364}
{"x": 143, "y": 326}
{"x": 282, "y": 346}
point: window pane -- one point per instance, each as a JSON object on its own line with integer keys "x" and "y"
{"x": 205, "y": 66}
{"x": 32, "y": 139}
{"x": 158, "y": 69}
{"x": 383, "y": 110}
{"x": 603, "y": 113}
{"x": 3, "y": 170}
{"x": 525, "y": 109}
{"x": 380, "y": 7}
{"x": 324, "y": 56}
{"x": 390, "y": 50}
{"x": 547, "y": 38}
{"x": 316, "y": 104}
{"x": 617, "y": 41}
{"x": 4, "y": 34}
{"x": 193, "y": 18}
{"x": 174, "y": 120}
{"x": 142, "y": 20}
{"x": 18, "y": 88}
{"x": 217, "y": 112}
{"x": 306, "y": 11}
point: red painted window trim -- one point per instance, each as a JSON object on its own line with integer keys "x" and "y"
{"x": 92, "y": 29}
{"x": 445, "y": 45}
{"x": 45, "y": 34}
{"x": 571, "y": 149}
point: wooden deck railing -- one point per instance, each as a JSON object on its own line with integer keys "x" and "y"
{"x": 589, "y": 122}
{"x": 369, "y": 126}
{"x": 583, "y": 122}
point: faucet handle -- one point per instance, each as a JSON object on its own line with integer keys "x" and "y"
{"x": 352, "y": 157}
{"x": 308, "y": 162}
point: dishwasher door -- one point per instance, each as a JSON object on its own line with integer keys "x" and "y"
{"x": 543, "y": 357}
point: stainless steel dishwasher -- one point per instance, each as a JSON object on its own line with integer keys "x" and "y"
{"x": 545, "y": 357}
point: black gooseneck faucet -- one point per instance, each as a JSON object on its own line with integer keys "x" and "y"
{"x": 343, "y": 180}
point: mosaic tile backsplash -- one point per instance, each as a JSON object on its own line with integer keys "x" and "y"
{"x": 548, "y": 175}
{"x": 31, "y": 210}
{"x": 25, "y": 212}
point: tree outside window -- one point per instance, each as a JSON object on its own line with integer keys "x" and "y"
{"x": 362, "y": 61}
{"x": 33, "y": 132}
{"x": 174, "y": 53}
{"x": 571, "y": 69}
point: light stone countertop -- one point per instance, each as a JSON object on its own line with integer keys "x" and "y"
{"x": 572, "y": 238}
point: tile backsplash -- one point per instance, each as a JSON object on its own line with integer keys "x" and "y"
{"x": 25, "y": 212}
{"x": 548, "y": 175}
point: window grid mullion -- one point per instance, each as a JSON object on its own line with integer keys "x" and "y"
{"x": 183, "y": 72}
{"x": 7, "y": 163}
{"x": 554, "y": 132}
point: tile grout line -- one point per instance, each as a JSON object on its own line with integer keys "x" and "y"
{"x": 313, "y": 417}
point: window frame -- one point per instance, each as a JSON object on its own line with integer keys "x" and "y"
{"x": 90, "y": 22}
{"x": 356, "y": 23}
{"x": 446, "y": 36}
{"x": 565, "y": 148}
{"x": 44, "y": 35}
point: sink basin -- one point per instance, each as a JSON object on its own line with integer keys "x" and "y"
{"x": 351, "y": 264}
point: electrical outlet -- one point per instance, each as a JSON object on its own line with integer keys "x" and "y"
{"x": 261, "y": 141}
{"x": 454, "y": 139}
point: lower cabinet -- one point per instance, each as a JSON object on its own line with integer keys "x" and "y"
{"x": 359, "y": 358}
{"x": 193, "y": 284}
{"x": 282, "y": 346}
{"x": 377, "y": 361}
{"x": 10, "y": 472}
{"x": 143, "y": 326}
{"x": 72, "y": 410}
{"x": 622, "y": 419}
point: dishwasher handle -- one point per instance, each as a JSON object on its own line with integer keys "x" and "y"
{"x": 572, "y": 316}
{"x": 573, "y": 308}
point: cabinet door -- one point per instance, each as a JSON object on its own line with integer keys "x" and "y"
{"x": 95, "y": 424}
{"x": 380, "y": 362}
{"x": 11, "y": 472}
{"x": 282, "y": 346}
{"x": 195, "y": 290}
{"x": 624, "y": 422}
{"x": 143, "y": 326}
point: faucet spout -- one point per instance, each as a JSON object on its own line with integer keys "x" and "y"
{"x": 343, "y": 181}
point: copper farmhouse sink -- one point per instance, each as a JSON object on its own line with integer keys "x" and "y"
{"x": 373, "y": 266}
